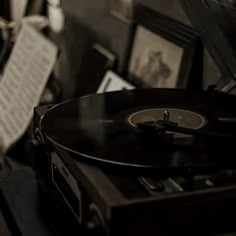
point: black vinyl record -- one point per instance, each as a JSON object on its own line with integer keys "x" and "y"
{"x": 103, "y": 129}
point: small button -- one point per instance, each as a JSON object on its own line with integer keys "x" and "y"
{"x": 152, "y": 184}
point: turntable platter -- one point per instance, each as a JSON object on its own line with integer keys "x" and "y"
{"x": 101, "y": 128}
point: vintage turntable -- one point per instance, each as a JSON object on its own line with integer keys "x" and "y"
{"x": 141, "y": 162}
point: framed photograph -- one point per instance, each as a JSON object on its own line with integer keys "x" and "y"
{"x": 122, "y": 9}
{"x": 162, "y": 51}
{"x": 113, "y": 82}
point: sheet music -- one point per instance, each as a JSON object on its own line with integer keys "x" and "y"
{"x": 24, "y": 79}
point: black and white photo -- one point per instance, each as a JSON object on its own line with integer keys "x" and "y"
{"x": 161, "y": 51}
{"x": 155, "y": 60}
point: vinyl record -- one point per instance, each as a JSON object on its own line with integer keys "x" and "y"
{"x": 103, "y": 129}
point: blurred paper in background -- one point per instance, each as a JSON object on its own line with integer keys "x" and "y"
{"x": 24, "y": 79}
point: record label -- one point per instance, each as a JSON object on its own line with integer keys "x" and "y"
{"x": 183, "y": 118}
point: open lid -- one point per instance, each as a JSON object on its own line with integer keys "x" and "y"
{"x": 216, "y": 22}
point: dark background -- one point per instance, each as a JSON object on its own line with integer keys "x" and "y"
{"x": 4, "y": 10}
{"x": 91, "y": 21}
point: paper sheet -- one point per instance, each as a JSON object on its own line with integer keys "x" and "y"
{"x": 113, "y": 82}
{"x": 24, "y": 79}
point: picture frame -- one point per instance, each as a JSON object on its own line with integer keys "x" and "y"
{"x": 163, "y": 52}
{"x": 122, "y": 9}
{"x": 113, "y": 82}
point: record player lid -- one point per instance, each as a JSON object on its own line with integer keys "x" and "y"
{"x": 102, "y": 128}
{"x": 216, "y": 22}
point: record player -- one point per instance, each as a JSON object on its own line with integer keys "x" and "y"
{"x": 141, "y": 162}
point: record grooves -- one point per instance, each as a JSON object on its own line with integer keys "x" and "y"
{"x": 102, "y": 129}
